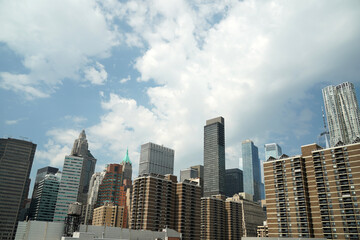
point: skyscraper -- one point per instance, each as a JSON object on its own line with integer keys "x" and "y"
{"x": 233, "y": 181}
{"x": 272, "y": 150}
{"x": 156, "y": 159}
{"x": 214, "y": 157}
{"x": 45, "y": 198}
{"x": 251, "y": 169}
{"x": 77, "y": 171}
{"x": 342, "y": 113}
{"x": 16, "y": 158}
{"x": 40, "y": 175}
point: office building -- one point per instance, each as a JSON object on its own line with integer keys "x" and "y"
{"x": 45, "y": 198}
{"x": 110, "y": 215}
{"x": 40, "y": 175}
{"x": 77, "y": 171}
{"x": 156, "y": 159}
{"x": 188, "y": 174}
{"x": 272, "y": 150}
{"x": 233, "y": 181}
{"x": 95, "y": 182}
{"x": 251, "y": 169}
{"x": 314, "y": 194}
{"x": 16, "y": 159}
{"x": 214, "y": 157}
{"x": 342, "y": 113}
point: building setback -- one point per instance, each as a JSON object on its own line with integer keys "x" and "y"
{"x": 156, "y": 159}
{"x": 16, "y": 158}
{"x": 342, "y": 113}
{"x": 214, "y": 157}
{"x": 314, "y": 194}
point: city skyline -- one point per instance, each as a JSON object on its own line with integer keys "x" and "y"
{"x": 137, "y": 72}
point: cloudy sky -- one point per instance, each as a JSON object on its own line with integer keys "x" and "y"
{"x": 130, "y": 72}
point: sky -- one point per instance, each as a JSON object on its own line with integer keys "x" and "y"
{"x": 132, "y": 72}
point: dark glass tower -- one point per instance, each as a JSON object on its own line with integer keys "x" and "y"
{"x": 233, "y": 181}
{"x": 16, "y": 159}
{"x": 214, "y": 157}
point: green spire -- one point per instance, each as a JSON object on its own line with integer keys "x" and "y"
{"x": 126, "y": 159}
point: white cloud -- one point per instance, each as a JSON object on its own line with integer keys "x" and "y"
{"x": 96, "y": 75}
{"x": 53, "y": 154}
{"x": 124, "y": 80}
{"x": 75, "y": 119}
{"x": 254, "y": 67}
{"x": 14, "y": 121}
{"x": 57, "y": 40}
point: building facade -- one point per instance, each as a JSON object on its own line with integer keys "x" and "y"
{"x": 77, "y": 171}
{"x": 45, "y": 198}
{"x": 214, "y": 157}
{"x": 233, "y": 181}
{"x": 153, "y": 202}
{"x": 315, "y": 194}
{"x": 342, "y": 113}
{"x": 156, "y": 159}
{"x": 213, "y": 218}
{"x": 16, "y": 159}
{"x": 110, "y": 215}
{"x": 188, "y": 174}
{"x": 251, "y": 169}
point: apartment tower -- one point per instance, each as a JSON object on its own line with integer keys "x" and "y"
{"x": 342, "y": 113}
{"x": 16, "y": 159}
{"x": 314, "y": 194}
{"x": 214, "y": 157}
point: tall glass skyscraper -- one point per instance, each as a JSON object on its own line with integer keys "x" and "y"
{"x": 75, "y": 180}
{"x": 251, "y": 169}
{"x": 342, "y": 113}
{"x": 272, "y": 150}
{"x": 16, "y": 159}
{"x": 214, "y": 157}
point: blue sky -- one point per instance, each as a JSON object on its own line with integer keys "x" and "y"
{"x": 130, "y": 72}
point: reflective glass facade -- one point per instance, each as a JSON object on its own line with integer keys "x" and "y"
{"x": 251, "y": 169}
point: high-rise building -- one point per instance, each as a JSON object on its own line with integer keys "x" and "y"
{"x": 40, "y": 175}
{"x": 188, "y": 209}
{"x": 45, "y": 198}
{"x": 272, "y": 150}
{"x": 314, "y": 194}
{"x": 160, "y": 201}
{"x": 77, "y": 171}
{"x": 16, "y": 159}
{"x": 230, "y": 218}
{"x": 110, "y": 215}
{"x": 214, "y": 157}
{"x": 342, "y": 113}
{"x": 251, "y": 169}
{"x": 153, "y": 202}
{"x": 233, "y": 181}
{"x": 188, "y": 174}
{"x": 95, "y": 182}
{"x": 156, "y": 159}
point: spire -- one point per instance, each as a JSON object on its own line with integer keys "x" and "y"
{"x": 82, "y": 134}
{"x": 126, "y": 159}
